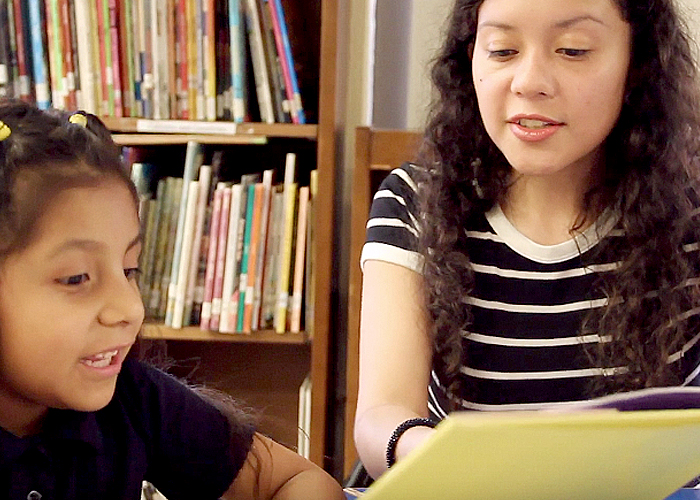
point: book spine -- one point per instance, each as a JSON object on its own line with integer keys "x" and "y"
{"x": 245, "y": 258}
{"x": 201, "y": 113}
{"x": 5, "y": 63}
{"x": 255, "y": 248}
{"x": 299, "y": 261}
{"x": 105, "y": 72}
{"x": 73, "y": 30}
{"x": 192, "y": 59}
{"x": 237, "y": 55}
{"x": 192, "y": 162}
{"x": 146, "y": 55}
{"x": 150, "y": 244}
{"x": 170, "y": 247}
{"x": 310, "y": 288}
{"x": 71, "y": 99}
{"x": 181, "y": 59}
{"x": 39, "y": 61}
{"x": 263, "y": 248}
{"x": 54, "y": 51}
{"x": 286, "y": 242}
{"x": 262, "y": 79}
{"x": 230, "y": 270}
{"x": 114, "y": 57}
{"x": 280, "y": 26}
{"x": 171, "y": 64}
{"x": 209, "y": 46}
{"x": 185, "y": 254}
{"x": 269, "y": 288}
{"x": 135, "y": 29}
{"x": 205, "y": 320}
{"x": 205, "y": 173}
{"x": 278, "y": 89}
{"x": 22, "y": 38}
{"x": 220, "y": 259}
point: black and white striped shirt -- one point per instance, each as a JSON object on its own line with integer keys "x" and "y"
{"x": 523, "y": 349}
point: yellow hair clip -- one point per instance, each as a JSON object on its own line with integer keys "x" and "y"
{"x": 4, "y": 131}
{"x": 78, "y": 119}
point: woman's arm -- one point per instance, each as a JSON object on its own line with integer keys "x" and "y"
{"x": 395, "y": 360}
{"x": 274, "y": 472}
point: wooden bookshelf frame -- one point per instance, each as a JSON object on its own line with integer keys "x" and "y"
{"x": 376, "y": 151}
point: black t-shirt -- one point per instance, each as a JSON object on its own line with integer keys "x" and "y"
{"x": 154, "y": 429}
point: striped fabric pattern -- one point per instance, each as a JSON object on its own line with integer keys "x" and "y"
{"x": 523, "y": 349}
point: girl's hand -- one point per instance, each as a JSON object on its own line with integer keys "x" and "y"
{"x": 274, "y": 472}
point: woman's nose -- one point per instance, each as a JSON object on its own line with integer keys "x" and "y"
{"x": 533, "y": 77}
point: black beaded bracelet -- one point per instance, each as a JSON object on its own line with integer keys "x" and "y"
{"x": 398, "y": 432}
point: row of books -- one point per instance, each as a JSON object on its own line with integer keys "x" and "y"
{"x": 161, "y": 59}
{"x": 229, "y": 257}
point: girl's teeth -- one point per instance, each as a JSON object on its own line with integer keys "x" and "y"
{"x": 100, "y": 360}
{"x": 532, "y": 123}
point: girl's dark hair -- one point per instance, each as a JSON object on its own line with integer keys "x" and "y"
{"x": 45, "y": 154}
{"x": 651, "y": 179}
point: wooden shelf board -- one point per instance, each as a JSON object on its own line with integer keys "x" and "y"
{"x": 161, "y": 332}
{"x": 205, "y": 129}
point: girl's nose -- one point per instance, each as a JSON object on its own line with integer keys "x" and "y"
{"x": 533, "y": 78}
{"x": 123, "y": 305}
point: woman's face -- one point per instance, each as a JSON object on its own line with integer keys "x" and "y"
{"x": 550, "y": 78}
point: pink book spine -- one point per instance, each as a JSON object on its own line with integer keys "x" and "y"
{"x": 220, "y": 260}
{"x": 116, "y": 70}
{"x": 211, "y": 260}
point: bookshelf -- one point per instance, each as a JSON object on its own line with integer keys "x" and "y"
{"x": 265, "y": 369}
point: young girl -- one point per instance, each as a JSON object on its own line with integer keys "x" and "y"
{"x": 79, "y": 418}
{"x": 545, "y": 250}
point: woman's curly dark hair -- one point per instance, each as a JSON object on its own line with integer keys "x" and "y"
{"x": 651, "y": 179}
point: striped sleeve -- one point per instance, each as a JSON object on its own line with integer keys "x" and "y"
{"x": 392, "y": 228}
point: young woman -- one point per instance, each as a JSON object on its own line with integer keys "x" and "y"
{"x": 79, "y": 418}
{"x": 545, "y": 250}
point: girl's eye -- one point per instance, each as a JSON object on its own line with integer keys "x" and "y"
{"x": 573, "y": 52}
{"x": 76, "y": 279}
{"x": 132, "y": 273}
{"x": 502, "y": 54}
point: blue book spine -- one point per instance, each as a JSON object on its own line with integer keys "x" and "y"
{"x": 237, "y": 50}
{"x": 290, "y": 59}
{"x": 41, "y": 83}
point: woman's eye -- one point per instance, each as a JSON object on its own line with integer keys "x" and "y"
{"x": 76, "y": 279}
{"x": 132, "y": 273}
{"x": 573, "y": 52}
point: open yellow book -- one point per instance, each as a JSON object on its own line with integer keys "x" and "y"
{"x": 587, "y": 451}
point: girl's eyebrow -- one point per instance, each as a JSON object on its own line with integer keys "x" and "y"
{"x": 90, "y": 245}
{"x": 566, "y": 23}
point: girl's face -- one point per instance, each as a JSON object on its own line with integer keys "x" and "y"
{"x": 550, "y": 77}
{"x": 70, "y": 308}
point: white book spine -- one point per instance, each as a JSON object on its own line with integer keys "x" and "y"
{"x": 225, "y": 324}
{"x": 187, "y": 241}
{"x": 193, "y": 267}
